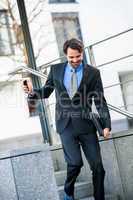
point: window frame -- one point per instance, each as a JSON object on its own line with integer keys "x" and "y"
{"x": 10, "y": 50}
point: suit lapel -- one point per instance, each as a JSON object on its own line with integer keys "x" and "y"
{"x": 84, "y": 78}
{"x": 61, "y": 77}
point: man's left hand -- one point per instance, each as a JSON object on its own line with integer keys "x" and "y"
{"x": 106, "y": 133}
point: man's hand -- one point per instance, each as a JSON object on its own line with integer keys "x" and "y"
{"x": 27, "y": 86}
{"x": 28, "y": 89}
{"x": 106, "y": 133}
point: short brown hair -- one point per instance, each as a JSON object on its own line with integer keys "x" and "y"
{"x": 73, "y": 44}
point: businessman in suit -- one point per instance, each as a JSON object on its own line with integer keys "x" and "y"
{"x": 75, "y": 85}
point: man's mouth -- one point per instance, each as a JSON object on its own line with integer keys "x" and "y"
{"x": 75, "y": 63}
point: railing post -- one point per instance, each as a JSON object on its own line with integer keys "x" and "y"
{"x": 31, "y": 63}
{"x": 91, "y": 56}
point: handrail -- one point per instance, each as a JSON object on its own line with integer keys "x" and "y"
{"x": 116, "y": 84}
{"x": 118, "y": 110}
{"x": 111, "y": 37}
{"x": 116, "y": 60}
{"x": 44, "y": 66}
{"x": 111, "y": 107}
{"x": 41, "y": 75}
{"x": 32, "y": 71}
{"x": 47, "y": 65}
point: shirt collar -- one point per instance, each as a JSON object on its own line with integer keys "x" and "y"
{"x": 78, "y": 68}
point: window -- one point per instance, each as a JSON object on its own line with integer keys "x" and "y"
{"x": 62, "y": 1}
{"x": 127, "y": 90}
{"x": 5, "y": 34}
{"x": 66, "y": 26}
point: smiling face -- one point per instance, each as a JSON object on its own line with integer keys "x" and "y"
{"x": 74, "y": 57}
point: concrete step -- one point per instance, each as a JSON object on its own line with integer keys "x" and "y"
{"x": 58, "y": 158}
{"x": 107, "y": 197}
{"x": 82, "y": 190}
{"x": 60, "y": 177}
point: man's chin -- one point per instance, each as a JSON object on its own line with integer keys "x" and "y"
{"x": 75, "y": 64}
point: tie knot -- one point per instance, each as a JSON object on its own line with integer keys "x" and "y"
{"x": 73, "y": 70}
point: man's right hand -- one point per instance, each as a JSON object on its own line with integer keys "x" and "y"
{"x": 28, "y": 89}
{"x": 27, "y": 86}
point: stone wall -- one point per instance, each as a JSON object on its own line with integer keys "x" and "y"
{"x": 27, "y": 174}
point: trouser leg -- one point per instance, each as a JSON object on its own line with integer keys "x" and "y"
{"x": 72, "y": 173}
{"x": 72, "y": 153}
{"x": 91, "y": 148}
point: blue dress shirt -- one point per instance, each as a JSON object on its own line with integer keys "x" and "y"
{"x": 67, "y": 75}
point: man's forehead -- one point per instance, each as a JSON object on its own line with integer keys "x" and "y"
{"x": 73, "y": 52}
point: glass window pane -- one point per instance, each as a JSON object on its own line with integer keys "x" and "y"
{"x": 66, "y": 26}
{"x": 5, "y": 34}
{"x": 18, "y": 128}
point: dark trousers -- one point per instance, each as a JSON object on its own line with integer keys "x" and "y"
{"x": 72, "y": 144}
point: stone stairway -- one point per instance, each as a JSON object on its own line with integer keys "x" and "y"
{"x": 83, "y": 187}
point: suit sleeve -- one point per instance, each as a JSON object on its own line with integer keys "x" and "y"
{"x": 101, "y": 103}
{"x": 46, "y": 90}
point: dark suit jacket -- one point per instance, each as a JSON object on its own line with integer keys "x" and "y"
{"x": 79, "y": 107}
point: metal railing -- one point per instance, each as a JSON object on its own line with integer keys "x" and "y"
{"x": 91, "y": 54}
{"x": 41, "y": 75}
{"x": 30, "y": 70}
{"x": 90, "y": 49}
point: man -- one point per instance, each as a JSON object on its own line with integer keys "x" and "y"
{"x": 75, "y": 85}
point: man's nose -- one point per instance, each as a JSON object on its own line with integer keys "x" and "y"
{"x": 75, "y": 60}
